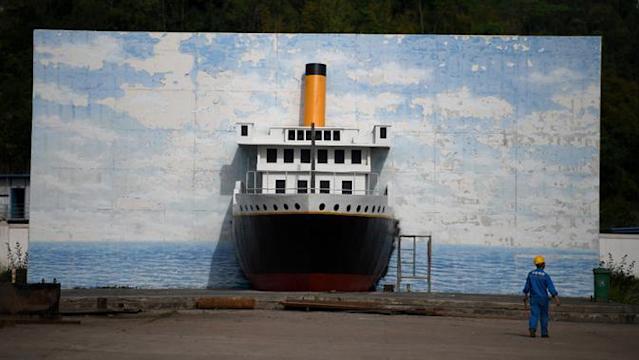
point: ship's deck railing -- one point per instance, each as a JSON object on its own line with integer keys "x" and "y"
{"x": 253, "y": 185}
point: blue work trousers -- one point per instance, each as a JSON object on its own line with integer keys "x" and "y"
{"x": 538, "y": 312}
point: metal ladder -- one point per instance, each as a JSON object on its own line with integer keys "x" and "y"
{"x": 413, "y": 274}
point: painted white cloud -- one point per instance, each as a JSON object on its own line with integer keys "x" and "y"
{"x": 556, "y": 76}
{"x": 521, "y": 47}
{"x": 348, "y": 105}
{"x": 571, "y": 126}
{"x": 390, "y": 74}
{"x": 92, "y": 54}
{"x": 462, "y": 103}
{"x": 77, "y": 128}
{"x": 579, "y": 100}
{"x": 59, "y": 94}
{"x": 170, "y": 106}
{"x": 157, "y": 109}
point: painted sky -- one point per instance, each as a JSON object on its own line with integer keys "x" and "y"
{"x": 496, "y": 139}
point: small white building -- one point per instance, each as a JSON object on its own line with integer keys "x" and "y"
{"x": 14, "y": 213}
{"x": 618, "y": 245}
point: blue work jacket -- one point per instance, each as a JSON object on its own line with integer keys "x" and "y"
{"x": 539, "y": 284}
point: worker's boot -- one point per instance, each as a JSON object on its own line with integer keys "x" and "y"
{"x": 544, "y": 335}
{"x": 532, "y": 333}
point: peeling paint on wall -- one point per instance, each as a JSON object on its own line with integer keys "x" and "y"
{"x": 496, "y": 139}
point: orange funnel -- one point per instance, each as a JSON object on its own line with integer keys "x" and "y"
{"x": 315, "y": 94}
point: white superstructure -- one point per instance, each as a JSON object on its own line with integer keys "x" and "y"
{"x": 284, "y": 159}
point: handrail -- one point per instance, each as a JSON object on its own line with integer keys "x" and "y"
{"x": 16, "y": 212}
{"x": 413, "y": 275}
{"x": 251, "y": 185}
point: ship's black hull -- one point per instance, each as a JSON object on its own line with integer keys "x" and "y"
{"x": 314, "y": 252}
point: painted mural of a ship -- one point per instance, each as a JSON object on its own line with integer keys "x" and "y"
{"x": 312, "y": 216}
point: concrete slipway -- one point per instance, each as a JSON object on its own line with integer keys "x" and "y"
{"x": 434, "y": 304}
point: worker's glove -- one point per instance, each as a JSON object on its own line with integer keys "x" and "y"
{"x": 557, "y": 302}
{"x": 525, "y": 299}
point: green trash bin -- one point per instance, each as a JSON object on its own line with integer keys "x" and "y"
{"x": 602, "y": 284}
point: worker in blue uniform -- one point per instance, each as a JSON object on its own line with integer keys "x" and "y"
{"x": 538, "y": 285}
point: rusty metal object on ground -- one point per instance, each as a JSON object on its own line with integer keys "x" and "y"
{"x": 225, "y": 302}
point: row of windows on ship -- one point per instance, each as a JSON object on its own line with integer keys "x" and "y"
{"x": 322, "y": 156}
{"x": 327, "y": 135}
{"x": 322, "y": 207}
{"x": 324, "y": 187}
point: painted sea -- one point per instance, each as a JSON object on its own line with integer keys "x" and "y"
{"x": 455, "y": 268}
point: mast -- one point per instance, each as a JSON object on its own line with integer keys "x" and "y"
{"x": 312, "y": 157}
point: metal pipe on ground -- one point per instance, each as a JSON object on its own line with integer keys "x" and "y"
{"x": 225, "y": 302}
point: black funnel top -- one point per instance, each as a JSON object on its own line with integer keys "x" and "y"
{"x": 315, "y": 69}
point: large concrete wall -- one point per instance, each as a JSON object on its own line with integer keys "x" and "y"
{"x": 496, "y": 139}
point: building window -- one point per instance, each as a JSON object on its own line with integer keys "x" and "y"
{"x": 322, "y": 156}
{"x": 382, "y": 133}
{"x": 291, "y": 134}
{"x": 271, "y": 155}
{"x": 308, "y": 134}
{"x": 300, "y": 134}
{"x": 18, "y": 204}
{"x": 347, "y": 187}
{"x": 288, "y": 155}
{"x": 356, "y": 156}
{"x": 325, "y": 186}
{"x": 305, "y": 156}
{"x": 244, "y": 130}
{"x": 280, "y": 186}
{"x": 302, "y": 186}
{"x": 327, "y": 134}
{"x": 336, "y": 135}
{"x": 318, "y": 135}
{"x": 339, "y": 156}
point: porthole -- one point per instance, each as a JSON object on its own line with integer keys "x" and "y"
{"x": 274, "y": 207}
{"x": 241, "y": 208}
{"x": 264, "y": 207}
{"x": 373, "y": 209}
{"x": 322, "y": 206}
{"x": 379, "y": 209}
{"x": 297, "y": 206}
{"x": 251, "y": 206}
{"x": 348, "y": 208}
{"x": 366, "y": 208}
{"x": 383, "y": 208}
{"x": 285, "y": 206}
{"x": 336, "y": 207}
{"x": 359, "y": 207}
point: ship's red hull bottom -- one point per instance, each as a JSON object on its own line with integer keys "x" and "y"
{"x": 312, "y": 282}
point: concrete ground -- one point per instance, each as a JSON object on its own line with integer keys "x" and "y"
{"x": 272, "y": 334}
